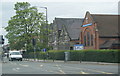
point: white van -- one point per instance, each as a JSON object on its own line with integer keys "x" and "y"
{"x": 15, "y": 55}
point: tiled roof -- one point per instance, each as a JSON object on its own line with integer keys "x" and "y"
{"x": 72, "y": 26}
{"x": 107, "y": 24}
{"x": 109, "y": 43}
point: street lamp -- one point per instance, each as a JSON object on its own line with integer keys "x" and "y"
{"x": 46, "y": 13}
{"x": 46, "y": 25}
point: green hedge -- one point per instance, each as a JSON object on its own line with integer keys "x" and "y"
{"x": 56, "y": 55}
{"x": 80, "y": 55}
{"x": 76, "y": 55}
{"x": 95, "y": 55}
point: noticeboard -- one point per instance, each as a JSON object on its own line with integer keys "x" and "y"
{"x": 78, "y": 47}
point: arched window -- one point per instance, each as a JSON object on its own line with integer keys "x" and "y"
{"x": 85, "y": 40}
{"x": 88, "y": 38}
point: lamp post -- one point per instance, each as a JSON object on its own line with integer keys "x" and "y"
{"x": 46, "y": 25}
{"x": 34, "y": 44}
{"x": 46, "y": 13}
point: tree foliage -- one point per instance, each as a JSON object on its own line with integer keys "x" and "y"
{"x": 24, "y": 26}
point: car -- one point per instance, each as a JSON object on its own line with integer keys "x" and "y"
{"x": 15, "y": 55}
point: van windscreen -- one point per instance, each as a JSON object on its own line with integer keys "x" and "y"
{"x": 15, "y": 53}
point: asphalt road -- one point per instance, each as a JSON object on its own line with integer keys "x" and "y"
{"x": 34, "y": 67}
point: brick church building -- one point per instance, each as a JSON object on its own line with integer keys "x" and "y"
{"x": 100, "y": 31}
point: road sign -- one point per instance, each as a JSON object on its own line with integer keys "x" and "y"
{"x": 78, "y": 47}
{"x": 44, "y": 50}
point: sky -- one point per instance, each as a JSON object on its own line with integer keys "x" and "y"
{"x": 58, "y": 8}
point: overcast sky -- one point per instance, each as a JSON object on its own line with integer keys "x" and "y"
{"x": 59, "y": 8}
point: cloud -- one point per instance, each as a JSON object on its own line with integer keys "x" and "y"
{"x": 60, "y": 0}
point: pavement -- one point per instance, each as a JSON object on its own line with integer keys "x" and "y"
{"x": 72, "y": 62}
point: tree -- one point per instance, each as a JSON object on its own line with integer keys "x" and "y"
{"x": 24, "y": 26}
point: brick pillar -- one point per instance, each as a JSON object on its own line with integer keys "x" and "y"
{"x": 96, "y": 39}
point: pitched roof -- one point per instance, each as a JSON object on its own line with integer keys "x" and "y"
{"x": 72, "y": 26}
{"x": 109, "y": 43}
{"x": 107, "y": 24}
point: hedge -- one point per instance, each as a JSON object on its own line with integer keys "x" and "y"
{"x": 57, "y": 55}
{"x": 80, "y": 55}
{"x": 96, "y": 55}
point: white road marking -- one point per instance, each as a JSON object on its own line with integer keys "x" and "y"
{"x": 102, "y": 72}
{"x": 91, "y": 70}
{"x": 24, "y": 65}
{"x": 41, "y": 65}
{"x": 16, "y": 69}
{"x": 83, "y": 72}
{"x": 61, "y": 71}
{"x": 59, "y": 68}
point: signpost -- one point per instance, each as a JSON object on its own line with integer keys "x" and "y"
{"x": 78, "y": 47}
{"x": 44, "y": 50}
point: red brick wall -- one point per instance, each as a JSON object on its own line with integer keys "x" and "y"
{"x": 92, "y": 30}
{"x": 97, "y": 41}
{"x": 95, "y": 37}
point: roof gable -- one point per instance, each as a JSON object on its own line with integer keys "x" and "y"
{"x": 88, "y": 20}
{"x": 72, "y": 26}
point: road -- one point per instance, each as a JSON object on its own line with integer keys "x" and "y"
{"x": 35, "y": 67}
